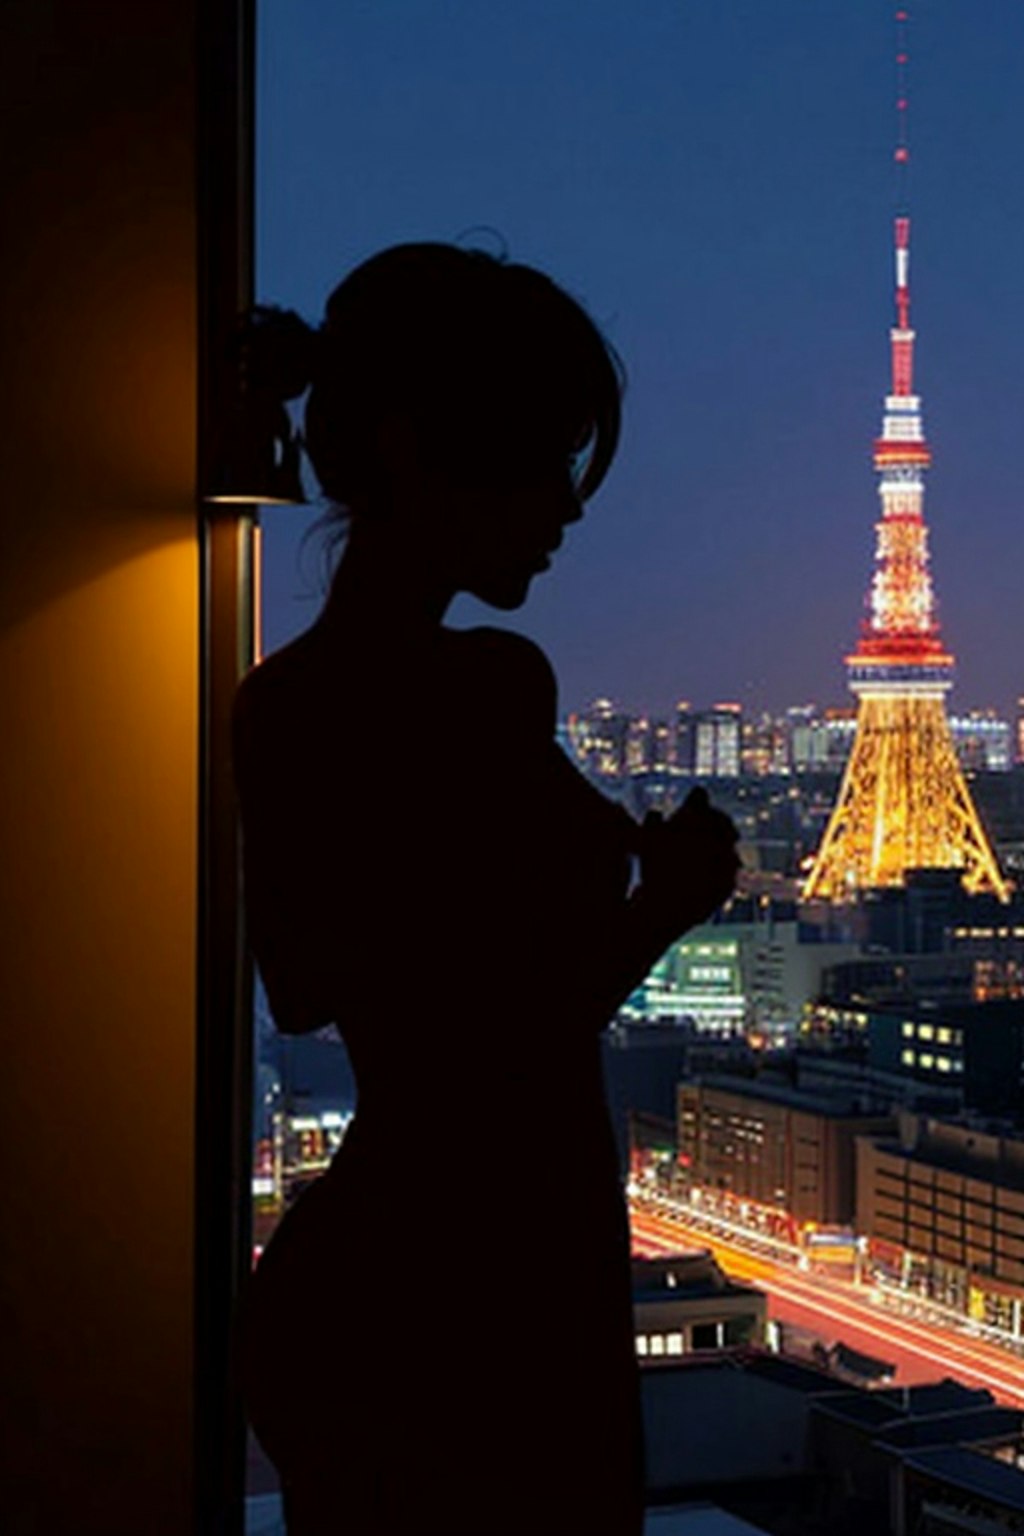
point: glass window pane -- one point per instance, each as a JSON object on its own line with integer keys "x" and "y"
{"x": 656, "y": 160}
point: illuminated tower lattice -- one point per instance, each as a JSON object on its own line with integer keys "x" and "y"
{"x": 904, "y": 803}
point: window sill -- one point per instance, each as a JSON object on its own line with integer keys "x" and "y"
{"x": 263, "y": 1518}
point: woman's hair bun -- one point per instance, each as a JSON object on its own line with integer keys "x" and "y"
{"x": 279, "y": 351}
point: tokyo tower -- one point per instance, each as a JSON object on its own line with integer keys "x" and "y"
{"x": 904, "y": 803}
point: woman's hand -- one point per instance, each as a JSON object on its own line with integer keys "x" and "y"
{"x": 688, "y": 864}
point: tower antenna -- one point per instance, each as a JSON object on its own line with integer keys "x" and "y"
{"x": 901, "y": 154}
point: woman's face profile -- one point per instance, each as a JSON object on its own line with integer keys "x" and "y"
{"x": 501, "y": 522}
{"x": 486, "y": 511}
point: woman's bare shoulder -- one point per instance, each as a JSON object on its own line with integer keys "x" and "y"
{"x": 507, "y": 659}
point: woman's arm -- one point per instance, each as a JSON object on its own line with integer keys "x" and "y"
{"x": 688, "y": 861}
{"x": 688, "y": 867}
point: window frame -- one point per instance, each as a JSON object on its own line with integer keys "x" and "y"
{"x": 225, "y": 64}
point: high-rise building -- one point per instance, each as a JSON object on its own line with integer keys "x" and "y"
{"x": 650, "y": 746}
{"x": 638, "y": 744}
{"x": 684, "y": 745}
{"x": 903, "y": 803}
{"x": 718, "y": 734}
{"x": 819, "y": 742}
{"x": 600, "y": 738}
{"x": 765, "y": 746}
{"x": 805, "y": 745}
{"x": 982, "y": 740}
{"x": 662, "y": 746}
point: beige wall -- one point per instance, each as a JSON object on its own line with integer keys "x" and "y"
{"x": 98, "y": 760}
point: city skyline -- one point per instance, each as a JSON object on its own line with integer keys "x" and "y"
{"x": 717, "y": 185}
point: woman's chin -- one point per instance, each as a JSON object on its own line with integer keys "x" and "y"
{"x": 505, "y": 592}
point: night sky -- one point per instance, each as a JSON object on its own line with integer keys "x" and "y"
{"x": 715, "y": 181}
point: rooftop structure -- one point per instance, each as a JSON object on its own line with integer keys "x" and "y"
{"x": 685, "y": 1302}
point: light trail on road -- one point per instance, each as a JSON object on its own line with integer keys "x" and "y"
{"x": 919, "y": 1351}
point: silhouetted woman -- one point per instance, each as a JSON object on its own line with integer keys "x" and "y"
{"x": 438, "y": 1338}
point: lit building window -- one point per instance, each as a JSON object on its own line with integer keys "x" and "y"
{"x": 944, "y": 1035}
{"x": 657, "y": 1344}
{"x": 927, "y": 1060}
{"x": 926, "y": 1032}
{"x": 944, "y": 1064}
{"x": 675, "y": 1344}
{"x": 908, "y": 1058}
{"x": 907, "y": 1029}
{"x": 641, "y": 1343}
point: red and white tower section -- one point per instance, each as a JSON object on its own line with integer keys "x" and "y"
{"x": 900, "y": 646}
{"x": 904, "y": 803}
